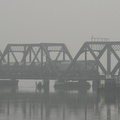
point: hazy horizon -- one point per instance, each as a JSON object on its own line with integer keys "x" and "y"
{"x": 63, "y": 21}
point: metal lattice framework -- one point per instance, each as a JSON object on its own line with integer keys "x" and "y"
{"x": 53, "y": 60}
{"x": 29, "y": 59}
{"x": 97, "y": 49}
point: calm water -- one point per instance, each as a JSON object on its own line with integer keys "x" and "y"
{"x": 27, "y": 104}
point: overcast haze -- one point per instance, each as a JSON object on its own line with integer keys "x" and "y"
{"x": 68, "y": 21}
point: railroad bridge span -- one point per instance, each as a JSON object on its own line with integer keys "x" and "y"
{"x": 53, "y": 61}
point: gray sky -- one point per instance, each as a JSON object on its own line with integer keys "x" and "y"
{"x": 65, "y": 21}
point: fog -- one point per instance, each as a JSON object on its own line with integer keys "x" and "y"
{"x": 63, "y": 21}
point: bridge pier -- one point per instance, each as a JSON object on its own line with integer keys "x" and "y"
{"x": 95, "y": 84}
{"x": 14, "y": 82}
{"x": 110, "y": 83}
{"x": 46, "y": 83}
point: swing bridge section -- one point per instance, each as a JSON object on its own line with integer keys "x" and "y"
{"x": 94, "y": 60}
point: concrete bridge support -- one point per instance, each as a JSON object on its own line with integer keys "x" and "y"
{"x": 46, "y": 83}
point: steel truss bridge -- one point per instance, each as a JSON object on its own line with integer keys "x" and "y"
{"x": 54, "y": 61}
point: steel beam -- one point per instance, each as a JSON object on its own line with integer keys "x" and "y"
{"x": 100, "y": 47}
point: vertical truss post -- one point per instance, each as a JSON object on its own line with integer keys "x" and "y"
{"x": 108, "y": 59}
{"x": 85, "y": 58}
{"x": 8, "y": 58}
{"x": 24, "y": 53}
{"x": 42, "y": 59}
{"x": 63, "y": 55}
{"x": 30, "y": 57}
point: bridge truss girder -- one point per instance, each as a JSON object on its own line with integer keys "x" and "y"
{"x": 97, "y": 50}
{"x": 33, "y": 55}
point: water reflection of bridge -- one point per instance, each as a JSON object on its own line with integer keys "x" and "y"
{"x": 66, "y": 105}
{"x": 54, "y": 61}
